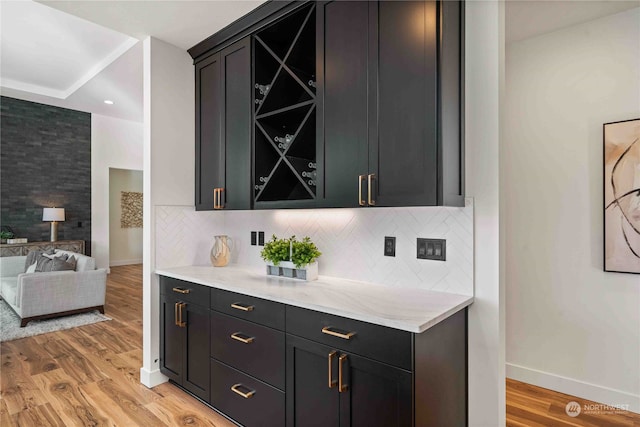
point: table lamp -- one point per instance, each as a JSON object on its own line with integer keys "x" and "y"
{"x": 54, "y": 215}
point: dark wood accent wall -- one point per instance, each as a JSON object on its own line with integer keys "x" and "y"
{"x": 45, "y": 162}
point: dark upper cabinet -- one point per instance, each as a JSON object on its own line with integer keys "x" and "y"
{"x": 223, "y": 129}
{"x": 285, "y": 111}
{"x": 343, "y": 85}
{"x": 184, "y": 326}
{"x": 403, "y": 104}
{"x": 383, "y": 81}
{"x": 350, "y": 103}
{"x": 329, "y": 387}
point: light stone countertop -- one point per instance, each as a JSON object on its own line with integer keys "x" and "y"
{"x": 408, "y": 309}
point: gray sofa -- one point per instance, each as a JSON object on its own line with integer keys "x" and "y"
{"x": 43, "y": 295}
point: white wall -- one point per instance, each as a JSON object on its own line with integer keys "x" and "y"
{"x": 115, "y": 143}
{"x": 351, "y": 241}
{"x": 169, "y": 170}
{"x": 571, "y": 327}
{"x": 125, "y": 244}
{"x": 484, "y": 63}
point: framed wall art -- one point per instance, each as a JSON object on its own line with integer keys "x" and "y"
{"x": 622, "y": 196}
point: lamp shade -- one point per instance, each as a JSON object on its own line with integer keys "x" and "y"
{"x": 53, "y": 214}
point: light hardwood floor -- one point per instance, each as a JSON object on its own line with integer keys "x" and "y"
{"x": 89, "y": 376}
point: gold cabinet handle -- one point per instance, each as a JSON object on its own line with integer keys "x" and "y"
{"x": 238, "y": 337}
{"x": 220, "y": 199}
{"x": 217, "y": 198}
{"x": 181, "y": 323}
{"x": 341, "y": 386}
{"x": 175, "y": 314}
{"x": 236, "y": 389}
{"x": 242, "y": 307}
{"x": 181, "y": 290}
{"x": 369, "y": 187}
{"x": 327, "y": 330}
{"x": 332, "y": 382}
{"x": 361, "y": 200}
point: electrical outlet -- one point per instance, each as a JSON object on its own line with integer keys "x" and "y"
{"x": 433, "y": 249}
{"x": 389, "y": 246}
{"x": 260, "y": 238}
{"x": 254, "y": 238}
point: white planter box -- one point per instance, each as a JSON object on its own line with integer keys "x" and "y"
{"x": 288, "y": 269}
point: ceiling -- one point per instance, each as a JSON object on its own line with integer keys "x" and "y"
{"x": 525, "y": 19}
{"x": 75, "y": 54}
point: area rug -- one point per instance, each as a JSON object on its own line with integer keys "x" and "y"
{"x": 10, "y": 323}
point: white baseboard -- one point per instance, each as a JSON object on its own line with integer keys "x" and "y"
{"x": 596, "y": 393}
{"x": 151, "y": 379}
{"x": 125, "y": 262}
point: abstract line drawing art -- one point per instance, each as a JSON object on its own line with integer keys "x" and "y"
{"x": 622, "y": 196}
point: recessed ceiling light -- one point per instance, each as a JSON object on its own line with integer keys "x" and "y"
{"x": 107, "y": 101}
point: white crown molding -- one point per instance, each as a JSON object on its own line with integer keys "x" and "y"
{"x": 97, "y": 68}
{"x": 64, "y": 94}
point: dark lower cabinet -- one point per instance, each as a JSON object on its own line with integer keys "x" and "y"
{"x": 321, "y": 370}
{"x": 247, "y": 400}
{"x": 183, "y": 356}
{"x": 328, "y": 387}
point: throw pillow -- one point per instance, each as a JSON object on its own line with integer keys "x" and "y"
{"x": 34, "y": 255}
{"x": 46, "y": 264}
{"x": 32, "y": 268}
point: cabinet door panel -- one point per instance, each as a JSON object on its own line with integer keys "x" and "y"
{"x": 171, "y": 340}
{"x": 236, "y": 124}
{"x": 403, "y": 155}
{"x": 209, "y": 149}
{"x": 197, "y": 335}
{"x": 310, "y": 402}
{"x": 342, "y": 99}
{"x": 378, "y": 394}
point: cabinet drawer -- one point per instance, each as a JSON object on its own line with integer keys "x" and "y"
{"x": 387, "y": 345}
{"x": 184, "y": 291}
{"x": 258, "y": 310}
{"x": 256, "y": 350}
{"x": 263, "y": 405}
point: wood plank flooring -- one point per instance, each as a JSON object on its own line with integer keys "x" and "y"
{"x": 531, "y": 406}
{"x": 89, "y": 376}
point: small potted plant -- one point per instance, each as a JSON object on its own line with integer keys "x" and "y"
{"x": 291, "y": 258}
{"x": 274, "y": 252}
{"x": 304, "y": 255}
{"x": 4, "y": 235}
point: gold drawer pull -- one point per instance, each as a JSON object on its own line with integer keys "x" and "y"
{"x": 181, "y": 290}
{"x": 332, "y": 382}
{"x": 236, "y": 390}
{"x": 239, "y": 306}
{"x": 341, "y": 387}
{"x": 238, "y": 337}
{"x": 327, "y": 330}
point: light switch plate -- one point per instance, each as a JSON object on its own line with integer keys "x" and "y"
{"x": 433, "y": 249}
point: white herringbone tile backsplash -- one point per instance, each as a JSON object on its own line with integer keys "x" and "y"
{"x": 351, "y": 241}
